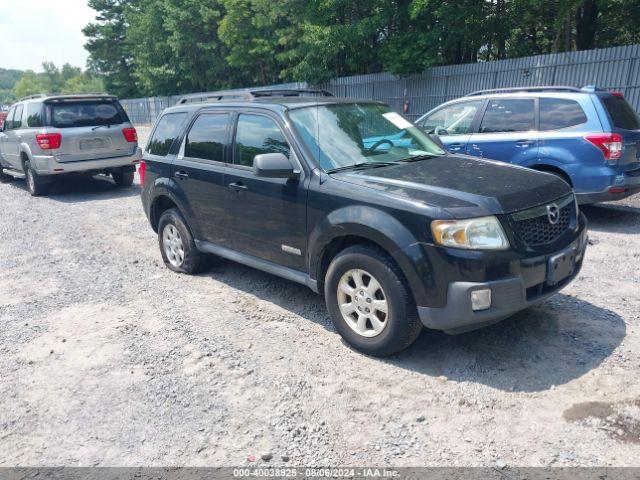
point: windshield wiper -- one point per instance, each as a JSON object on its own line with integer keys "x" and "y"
{"x": 100, "y": 126}
{"x": 361, "y": 166}
{"x": 417, "y": 158}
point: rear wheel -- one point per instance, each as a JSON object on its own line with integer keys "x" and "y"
{"x": 122, "y": 177}
{"x": 36, "y": 184}
{"x": 177, "y": 245}
{"x": 369, "y": 302}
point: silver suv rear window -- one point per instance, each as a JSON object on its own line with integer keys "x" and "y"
{"x": 85, "y": 114}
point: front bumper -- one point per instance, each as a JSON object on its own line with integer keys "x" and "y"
{"x": 509, "y": 295}
{"x": 49, "y": 165}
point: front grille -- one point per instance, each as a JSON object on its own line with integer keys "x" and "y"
{"x": 534, "y": 228}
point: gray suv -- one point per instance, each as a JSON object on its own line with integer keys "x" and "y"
{"x": 48, "y": 135}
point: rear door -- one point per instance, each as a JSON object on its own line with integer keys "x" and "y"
{"x": 453, "y": 124}
{"x": 91, "y": 129}
{"x": 267, "y": 216}
{"x": 624, "y": 121}
{"x": 507, "y": 131}
{"x": 199, "y": 171}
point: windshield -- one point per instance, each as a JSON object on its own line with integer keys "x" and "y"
{"x": 350, "y": 134}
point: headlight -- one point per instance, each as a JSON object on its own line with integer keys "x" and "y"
{"x": 484, "y": 233}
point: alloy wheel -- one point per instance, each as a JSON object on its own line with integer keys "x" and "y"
{"x": 173, "y": 246}
{"x": 363, "y": 303}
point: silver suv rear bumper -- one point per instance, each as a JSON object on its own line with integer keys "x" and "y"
{"x": 49, "y": 165}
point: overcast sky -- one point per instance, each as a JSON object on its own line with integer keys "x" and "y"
{"x": 34, "y": 31}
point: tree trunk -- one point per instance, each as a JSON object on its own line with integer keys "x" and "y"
{"x": 586, "y": 24}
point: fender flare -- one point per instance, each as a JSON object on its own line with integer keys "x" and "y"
{"x": 166, "y": 188}
{"x": 376, "y": 226}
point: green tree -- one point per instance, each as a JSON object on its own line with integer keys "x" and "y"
{"x": 108, "y": 48}
{"x": 30, "y": 84}
{"x": 83, "y": 83}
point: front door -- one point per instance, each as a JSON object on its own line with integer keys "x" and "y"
{"x": 507, "y": 132}
{"x": 268, "y": 215}
{"x": 11, "y": 139}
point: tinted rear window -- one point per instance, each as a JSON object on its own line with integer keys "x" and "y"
{"x": 621, "y": 113}
{"x": 556, "y": 113}
{"x": 86, "y": 114}
{"x": 34, "y": 114}
{"x": 166, "y": 132}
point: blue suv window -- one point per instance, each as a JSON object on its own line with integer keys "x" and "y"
{"x": 556, "y": 113}
{"x": 454, "y": 119}
{"x": 508, "y": 115}
{"x": 622, "y": 114}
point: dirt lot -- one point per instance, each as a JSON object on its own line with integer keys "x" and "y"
{"x": 108, "y": 358}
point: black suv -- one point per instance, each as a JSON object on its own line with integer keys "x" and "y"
{"x": 352, "y": 200}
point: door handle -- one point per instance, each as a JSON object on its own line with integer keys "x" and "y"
{"x": 237, "y": 186}
{"x": 181, "y": 174}
{"x": 456, "y": 146}
{"x": 525, "y": 143}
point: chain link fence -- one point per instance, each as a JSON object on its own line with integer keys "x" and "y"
{"x": 616, "y": 68}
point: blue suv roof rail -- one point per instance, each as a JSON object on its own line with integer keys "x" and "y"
{"x": 525, "y": 89}
{"x": 252, "y": 94}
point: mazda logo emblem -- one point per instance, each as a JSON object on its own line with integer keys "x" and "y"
{"x": 553, "y": 213}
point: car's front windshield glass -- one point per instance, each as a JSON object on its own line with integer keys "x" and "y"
{"x": 345, "y": 135}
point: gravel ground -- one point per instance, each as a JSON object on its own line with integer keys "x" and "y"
{"x": 108, "y": 358}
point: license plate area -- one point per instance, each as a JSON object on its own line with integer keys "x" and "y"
{"x": 94, "y": 143}
{"x": 560, "y": 266}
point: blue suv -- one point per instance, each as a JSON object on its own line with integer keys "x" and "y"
{"x": 588, "y": 137}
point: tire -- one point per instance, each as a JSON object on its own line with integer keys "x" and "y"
{"x": 401, "y": 325}
{"x": 5, "y": 178}
{"x": 35, "y": 183}
{"x": 173, "y": 226}
{"x": 123, "y": 178}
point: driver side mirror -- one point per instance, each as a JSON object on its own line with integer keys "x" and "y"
{"x": 273, "y": 165}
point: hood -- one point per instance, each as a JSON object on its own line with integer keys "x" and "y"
{"x": 463, "y": 186}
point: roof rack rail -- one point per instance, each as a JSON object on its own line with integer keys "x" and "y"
{"x": 252, "y": 94}
{"x": 291, "y": 92}
{"x": 30, "y": 97}
{"x": 525, "y": 89}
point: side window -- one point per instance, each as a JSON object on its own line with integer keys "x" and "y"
{"x": 558, "y": 113}
{"x": 452, "y": 120}
{"x": 34, "y": 114}
{"x": 17, "y": 119}
{"x": 255, "y": 135}
{"x": 9, "y": 120}
{"x": 207, "y": 137}
{"x": 165, "y": 134}
{"x": 508, "y": 115}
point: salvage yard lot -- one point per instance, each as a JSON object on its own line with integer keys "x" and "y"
{"x": 108, "y": 358}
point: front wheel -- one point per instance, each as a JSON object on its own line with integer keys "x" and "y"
{"x": 35, "y": 183}
{"x": 177, "y": 245}
{"x": 123, "y": 178}
{"x": 369, "y": 302}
